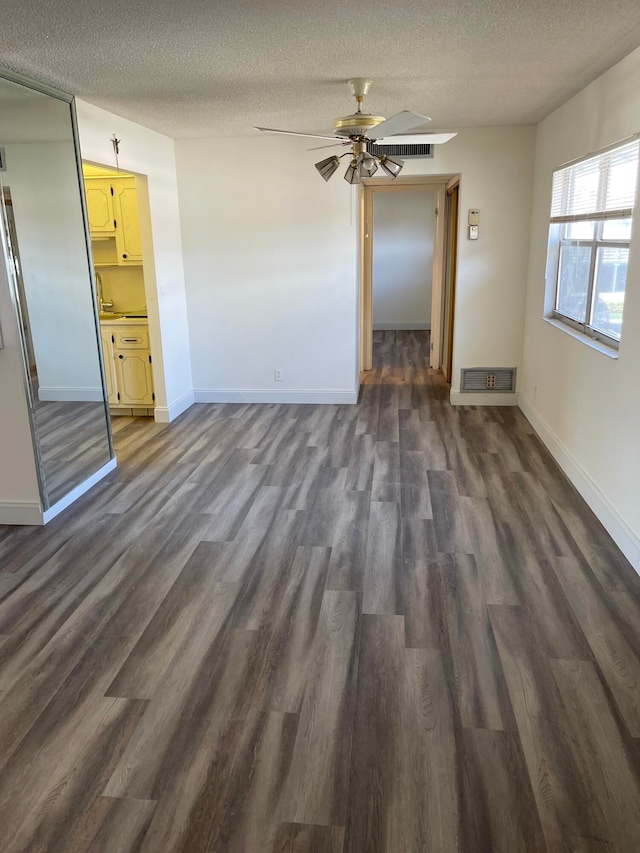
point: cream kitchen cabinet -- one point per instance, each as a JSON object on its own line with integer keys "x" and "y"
{"x": 134, "y": 380}
{"x": 112, "y": 209}
{"x": 128, "y": 364}
{"x": 99, "y": 196}
{"x": 109, "y": 364}
{"x": 128, "y": 245}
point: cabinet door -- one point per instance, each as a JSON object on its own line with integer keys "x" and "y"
{"x": 99, "y": 207}
{"x": 128, "y": 226}
{"x": 109, "y": 366}
{"x": 134, "y": 377}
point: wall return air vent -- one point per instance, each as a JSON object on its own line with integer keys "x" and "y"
{"x": 407, "y": 152}
{"x": 502, "y": 379}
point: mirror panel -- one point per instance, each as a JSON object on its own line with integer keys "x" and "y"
{"x": 46, "y": 250}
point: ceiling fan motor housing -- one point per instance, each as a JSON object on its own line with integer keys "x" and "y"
{"x": 355, "y": 125}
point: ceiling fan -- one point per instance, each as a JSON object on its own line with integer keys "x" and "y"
{"x": 361, "y": 133}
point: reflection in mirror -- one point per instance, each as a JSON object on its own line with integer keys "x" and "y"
{"x": 45, "y": 244}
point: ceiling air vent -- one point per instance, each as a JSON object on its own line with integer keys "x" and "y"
{"x": 502, "y": 379}
{"x": 407, "y": 152}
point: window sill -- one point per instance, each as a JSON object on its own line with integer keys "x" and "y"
{"x": 610, "y": 352}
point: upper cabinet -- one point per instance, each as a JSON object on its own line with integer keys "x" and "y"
{"x": 99, "y": 195}
{"x": 112, "y": 208}
{"x": 127, "y": 224}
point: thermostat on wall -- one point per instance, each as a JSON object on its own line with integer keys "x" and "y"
{"x": 474, "y": 222}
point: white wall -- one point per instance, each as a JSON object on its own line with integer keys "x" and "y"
{"x": 270, "y": 264}
{"x": 43, "y": 180}
{"x": 403, "y": 237}
{"x": 151, "y": 154}
{"x": 586, "y": 405}
{"x": 271, "y": 261}
{"x": 496, "y": 165}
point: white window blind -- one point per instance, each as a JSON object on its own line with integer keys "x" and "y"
{"x": 599, "y": 187}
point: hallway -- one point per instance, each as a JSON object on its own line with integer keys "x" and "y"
{"x": 386, "y": 628}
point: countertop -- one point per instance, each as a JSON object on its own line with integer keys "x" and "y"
{"x": 126, "y": 321}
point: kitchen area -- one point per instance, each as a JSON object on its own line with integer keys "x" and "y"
{"x": 114, "y": 225}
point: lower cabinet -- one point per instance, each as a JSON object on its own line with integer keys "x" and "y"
{"x": 128, "y": 368}
{"x": 109, "y": 365}
{"x": 134, "y": 379}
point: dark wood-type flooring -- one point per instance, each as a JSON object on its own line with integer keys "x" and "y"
{"x": 322, "y": 629}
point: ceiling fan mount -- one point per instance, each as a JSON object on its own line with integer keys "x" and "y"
{"x": 361, "y": 132}
{"x": 358, "y": 124}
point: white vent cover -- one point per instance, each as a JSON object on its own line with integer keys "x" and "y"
{"x": 502, "y": 379}
{"x": 407, "y": 152}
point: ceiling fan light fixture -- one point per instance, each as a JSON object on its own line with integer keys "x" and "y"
{"x": 368, "y": 166}
{"x": 327, "y": 167}
{"x": 352, "y": 175}
{"x": 391, "y": 165}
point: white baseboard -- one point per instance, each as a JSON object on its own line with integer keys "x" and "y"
{"x": 166, "y": 414}
{"x": 482, "y": 398}
{"x": 20, "y": 512}
{"x": 70, "y": 395}
{"x": 210, "y": 395}
{"x": 400, "y": 327}
{"x": 625, "y": 538}
{"x": 74, "y": 494}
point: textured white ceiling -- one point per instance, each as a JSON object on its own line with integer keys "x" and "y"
{"x": 200, "y": 68}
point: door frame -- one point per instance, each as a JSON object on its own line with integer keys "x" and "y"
{"x": 148, "y": 275}
{"x": 450, "y": 274}
{"x": 412, "y": 183}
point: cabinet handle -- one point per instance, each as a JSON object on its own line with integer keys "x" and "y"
{"x": 131, "y": 340}
{"x": 120, "y": 356}
{"x": 124, "y": 256}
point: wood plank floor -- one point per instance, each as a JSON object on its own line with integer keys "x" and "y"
{"x": 322, "y": 629}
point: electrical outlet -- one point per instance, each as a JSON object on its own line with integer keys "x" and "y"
{"x": 278, "y": 374}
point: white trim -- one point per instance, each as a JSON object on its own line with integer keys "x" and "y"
{"x": 166, "y": 414}
{"x": 621, "y": 533}
{"x": 214, "y": 395}
{"x": 482, "y": 398}
{"x": 402, "y": 327}
{"x": 70, "y": 395}
{"x": 74, "y": 494}
{"x": 20, "y": 512}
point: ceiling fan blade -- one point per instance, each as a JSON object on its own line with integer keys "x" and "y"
{"x": 293, "y": 133}
{"x": 335, "y": 145}
{"x": 397, "y": 124}
{"x": 415, "y": 139}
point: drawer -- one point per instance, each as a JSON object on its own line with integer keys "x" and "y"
{"x": 131, "y": 337}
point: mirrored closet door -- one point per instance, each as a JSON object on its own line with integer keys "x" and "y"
{"x": 44, "y": 240}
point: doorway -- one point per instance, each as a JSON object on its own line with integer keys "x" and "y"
{"x": 402, "y": 266}
{"x": 435, "y": 188}
{"x": 125, "y": 288}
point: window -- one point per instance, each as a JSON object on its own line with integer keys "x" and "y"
{"x": 589, "y": 236}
